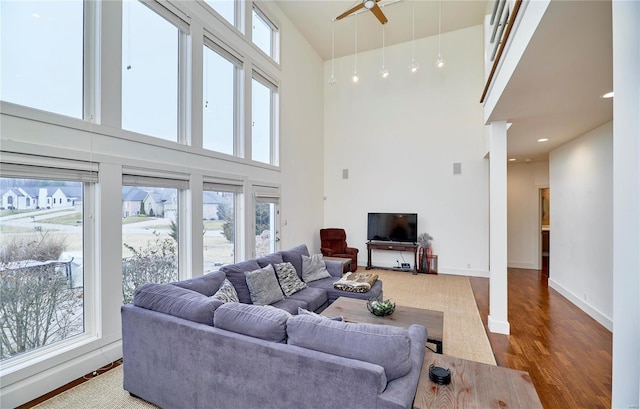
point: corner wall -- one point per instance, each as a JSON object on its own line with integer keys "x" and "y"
{"x": 399, "y": 138}
{"x": 581, "y": 241}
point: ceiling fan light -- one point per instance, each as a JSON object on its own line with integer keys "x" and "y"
{"x": 384, "y": 73}
{"x": 368, "y": 4}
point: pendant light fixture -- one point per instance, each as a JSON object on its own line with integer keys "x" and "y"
{"x": 439, "y": 61}
{"x": 332, "y": 78}
{"x": 384, "y": 72}
{"x": 413, "y": 67}
{"x": 355, "y": 77}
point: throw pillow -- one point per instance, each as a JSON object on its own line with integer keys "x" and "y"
{"x": 289, "y": 281}
{"x": 313, "y": 268}
{"x": 226, "y": 293}
{"x": 263, "y": 286}
{"x": 302, "y": 311}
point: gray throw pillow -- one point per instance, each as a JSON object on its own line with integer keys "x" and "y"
{"x": 263, "y": 286}
{"x": 313, "y": 268}
{"x": 288, "y": 278}
{"x": 226, "y": 293}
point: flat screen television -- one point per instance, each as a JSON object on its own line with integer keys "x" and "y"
{"x": 400, "y": 227}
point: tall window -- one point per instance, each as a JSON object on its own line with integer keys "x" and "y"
{"x": 220, "y": 90}
{"x": 263, "y": 132}
{"x": 41, "y": 57}
{"x": 264, "y": 33}
{"x": 41, "y": 260}
{"x": 149, "y": 72}
{"x": 219, "y": 214}
{"x": 150, "y": 233}
{"x": 266, "y": 226}
{"x": 226, "y": 8}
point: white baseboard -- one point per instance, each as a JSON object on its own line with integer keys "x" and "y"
{"x": 499, "y": 327}
{"x": 30, "y": 388}
{"x": 523, "y": 265}
{"x": 605, "y": 321}
{"x": 464, "y": 272}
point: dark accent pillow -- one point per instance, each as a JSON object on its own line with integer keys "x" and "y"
{"x": 207, "y": 284}
{"x": 226, "y": 293}
{"x": 288, "y": 279}
{"x": 273, "y": 258}
{"x": 313, "y": 268}
{"x": 263, "y": 286}
{"x": 293, "y": 256}
{"x": 235, "y": 274}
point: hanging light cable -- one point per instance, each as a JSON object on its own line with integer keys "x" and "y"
{"x": 439, "y": 61}
{"x": 332, "y": 79}
{"x": 355, "y": 77}
{"x": 384, "y": 72}
{"x": 413, "y": 66}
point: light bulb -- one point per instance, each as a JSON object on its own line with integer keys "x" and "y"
{"x": 355, "y": 77}
{"x": 332, "y": 80}
{"x": 413, "y": 66}
{"x": 384, "y": 73}
{"x": 439, "y": 62}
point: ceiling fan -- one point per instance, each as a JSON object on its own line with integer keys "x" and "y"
{"x": 369, "y": 5}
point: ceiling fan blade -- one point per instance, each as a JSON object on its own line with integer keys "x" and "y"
{"x": 351, "y": 11}
{"x": 377, "y": 11}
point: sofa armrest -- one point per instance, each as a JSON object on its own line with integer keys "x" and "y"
{"x": 334, "y": 267}
{"x": 326, "y": 252}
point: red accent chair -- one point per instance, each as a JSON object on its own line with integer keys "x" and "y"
{"x": 333, "y": 243}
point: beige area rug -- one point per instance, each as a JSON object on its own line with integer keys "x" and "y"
{"x": 464, "y": 336}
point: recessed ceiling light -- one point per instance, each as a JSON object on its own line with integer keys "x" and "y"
{"x": 543, "y": 139}
{"x": 512, "y": 159}
{"x": 607, "y": 95}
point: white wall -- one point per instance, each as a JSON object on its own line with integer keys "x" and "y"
{"x": 300, "y": 177}
{"x": 399, "y": 138}
{"x": 524, "y": 181}
{"x": 581, "y": 241}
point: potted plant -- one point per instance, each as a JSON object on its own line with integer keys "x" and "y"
{"x": 424, "y": 240}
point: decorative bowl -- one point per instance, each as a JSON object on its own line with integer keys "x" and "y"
{"x": 381, "y": 308}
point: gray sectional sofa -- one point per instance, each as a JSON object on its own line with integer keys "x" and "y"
{"x": 184, "y": 349}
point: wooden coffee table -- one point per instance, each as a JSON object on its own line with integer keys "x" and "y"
{"x": 474, "y": 385}
{"x": 355, "y": 310}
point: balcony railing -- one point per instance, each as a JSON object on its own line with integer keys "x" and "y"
{"x": 502, "y": 18}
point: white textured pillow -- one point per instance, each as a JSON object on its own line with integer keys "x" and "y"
{"x": 263, "y": 286}
{"x": 226, "y": 293}
{"x": 313, "y": 268}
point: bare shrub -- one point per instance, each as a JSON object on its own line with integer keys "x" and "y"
{"x": 41, "y": 247}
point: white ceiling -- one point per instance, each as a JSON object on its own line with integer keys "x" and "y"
{"x": 556, "y": 88}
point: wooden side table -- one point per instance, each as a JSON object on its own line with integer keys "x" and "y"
{"x": 474, "y": 385}
{"x": 346, "y": 263}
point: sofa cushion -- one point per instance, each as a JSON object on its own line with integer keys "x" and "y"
{"x": 264, "y": 322}
{"x": 177, "y": 301}
{"x": 263, "y": 286}
{"x": 313, "y": 268}
{"x": 273, "y": 258}
{"x": 290, "y": 305}
{"x": 384, "y": 345}
{"x": 288, "y": 278}
{"x": 207, "y": 284}
{"x": 313, "y": 297}
{"x": 235, "y": 274}
{"x": 294, "y": 256}
{"x": 226, "y": 293}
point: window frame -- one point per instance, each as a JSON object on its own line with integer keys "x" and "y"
{"x": 274, "y": 135}
{"x": 274, "y": 40}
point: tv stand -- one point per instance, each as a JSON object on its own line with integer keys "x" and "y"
{"x": 393, "y": 246}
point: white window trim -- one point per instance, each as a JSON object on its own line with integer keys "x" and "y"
{"x": 262, "y": 10}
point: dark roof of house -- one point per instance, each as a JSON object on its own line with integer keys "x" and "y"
{"x": 133, "y": 194}
{"x": 211, "y": 198}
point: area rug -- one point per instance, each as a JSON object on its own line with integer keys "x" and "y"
{"x": 463, "y": 336}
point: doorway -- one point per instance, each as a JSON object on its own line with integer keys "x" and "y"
{"x": 545, "y": 229}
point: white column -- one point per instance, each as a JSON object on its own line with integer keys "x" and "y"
{"x": 626, "y": 204}
{"x": 498, "y": 228}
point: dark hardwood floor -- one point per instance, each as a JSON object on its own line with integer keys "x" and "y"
{"x": 566, "y": 352}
